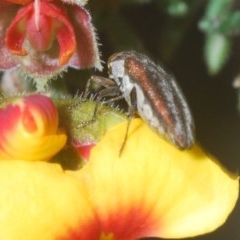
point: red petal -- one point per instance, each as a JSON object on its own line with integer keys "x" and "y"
{"x": 15, "y": 34}
{"x": 9, "y": 119}
{"x": 20, "y": 2}
{"x": 64, "y": 31}
{"x": 8, "y": 11}
{"x": 47, "y": 110}
{"x": 87, "y": 52}
{"x": 40, "y": 35}
{"x": 67, "y": 45}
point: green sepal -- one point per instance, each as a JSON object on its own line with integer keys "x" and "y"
{"x": 74, "y": 112}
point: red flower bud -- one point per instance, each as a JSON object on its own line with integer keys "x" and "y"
{"x": 29, "y": 129}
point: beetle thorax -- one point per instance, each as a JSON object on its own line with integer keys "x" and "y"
{"x": 121, "y": 78}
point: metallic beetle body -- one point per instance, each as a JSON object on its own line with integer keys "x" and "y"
{"x": 154, "y": 94}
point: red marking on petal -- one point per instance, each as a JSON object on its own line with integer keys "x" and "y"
{"x": 84, "y": 149}
{"x": 46, "y": 108}
{"x": 28, "y": 121}
{"x": 89, "y": 230}
{"x": 129, "y": 222}
{"x": 15, "y": 34}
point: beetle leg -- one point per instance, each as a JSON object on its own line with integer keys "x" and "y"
{"x": 132, "y": 111}
{"x": 100, "y": 81}
{"x": 110, "y": 90}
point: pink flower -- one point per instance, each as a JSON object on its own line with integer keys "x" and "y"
{"x": 44, "y": 37}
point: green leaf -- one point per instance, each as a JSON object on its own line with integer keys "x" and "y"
{"x": 230, "y": 25}
{"x": 216, "y": 13}
{"x": 216, "y": 9}
{"x": 177, "y": 8}
{"x": 217, "y": 49}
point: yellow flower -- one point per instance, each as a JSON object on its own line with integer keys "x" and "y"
{"x": 29, "y": 129}
{"x": 153, "y": 189}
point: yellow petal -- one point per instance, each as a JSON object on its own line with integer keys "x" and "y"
{"x": 38, "y": 201}
{"x": 33, "y": 149}
{"x": 155, "y": 189}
